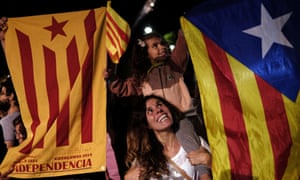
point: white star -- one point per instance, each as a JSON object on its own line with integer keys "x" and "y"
{"x": 270, "y": 30}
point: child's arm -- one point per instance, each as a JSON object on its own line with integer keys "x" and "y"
{"x": 180, "y": 55}
{"x": 120, "y": 87}
{"x": 187, "y": 136}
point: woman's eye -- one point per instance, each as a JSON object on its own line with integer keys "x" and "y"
{"x": 159, "y": 104}
{"x": 149, "y": 111}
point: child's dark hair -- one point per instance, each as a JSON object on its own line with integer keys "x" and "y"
{"x": 140, "y": 60}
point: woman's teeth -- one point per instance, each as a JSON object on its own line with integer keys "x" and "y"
{"x": 162, "y": 118}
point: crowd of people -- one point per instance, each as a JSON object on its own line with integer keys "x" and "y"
{"x": 9, "y": 106}
{"x": 167, "y": 141}
{"x": 13, "y": 131}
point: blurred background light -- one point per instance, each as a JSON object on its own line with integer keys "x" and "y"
{"x": 148, "y": 29}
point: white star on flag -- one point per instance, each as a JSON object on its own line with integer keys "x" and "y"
{"x": 270, "y": 30}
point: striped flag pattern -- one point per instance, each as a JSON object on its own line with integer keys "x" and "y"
{"x": 118, "y": 34}
{"x": 56, "y": 62}
{"x": 252, "y": 125}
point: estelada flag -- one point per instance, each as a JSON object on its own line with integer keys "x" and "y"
{"x": 56, "y": 63}
{"x": 246, "y": 56}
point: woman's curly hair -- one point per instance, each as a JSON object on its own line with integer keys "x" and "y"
{"x": 144, "y": 148}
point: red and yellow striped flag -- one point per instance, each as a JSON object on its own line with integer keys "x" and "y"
{"x": 253, "y": 127}
{"x": 56, "y": 63}
{"x": 118, "y": 34}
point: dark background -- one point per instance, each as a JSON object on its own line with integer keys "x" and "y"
{"x": 164, "y": 15}
{"x": 164, "y": 18}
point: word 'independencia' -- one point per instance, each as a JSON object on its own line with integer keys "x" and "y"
{"x": 54, "y": 166}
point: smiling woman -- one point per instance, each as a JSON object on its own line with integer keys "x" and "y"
{"x": 155, "y": 149}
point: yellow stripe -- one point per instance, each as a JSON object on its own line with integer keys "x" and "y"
{"x": 207, "y": 87}
{"x": 120, "y": 44}
{"x": 293, "y": 114}
{"x": 121, "y": 22}
{"x": 253, "y": 113}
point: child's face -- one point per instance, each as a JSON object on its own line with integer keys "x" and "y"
{"x": 19, "y": 134}
{"x": 4, "y": 100}
{"x": 3, "y": 94}
{"x": 157, "y": 50}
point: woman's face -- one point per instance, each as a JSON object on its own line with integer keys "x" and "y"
{"x": 158, "y": 115}
{"x": 157, "y": 50}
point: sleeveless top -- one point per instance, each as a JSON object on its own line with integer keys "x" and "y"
{"x": 181, "y": 160}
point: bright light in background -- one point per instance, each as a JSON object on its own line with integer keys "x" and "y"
{"x": 148, "y": 29}
{"x": 148, "y": 7}
{"x": 172, "y": 46}
{"x": 152, "y": 3}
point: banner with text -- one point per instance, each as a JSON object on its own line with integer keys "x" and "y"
{"x": 56, "y": 63}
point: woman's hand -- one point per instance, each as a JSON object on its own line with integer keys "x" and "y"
{"x": 133, "y": 173}
{"x": 200, "y": 156}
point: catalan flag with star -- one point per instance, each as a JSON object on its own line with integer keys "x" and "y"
{"x": 246, "y": 56}
{"x": 56, "y": 63}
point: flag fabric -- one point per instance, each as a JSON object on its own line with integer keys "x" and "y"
{"x": 118, "y": 33}
{"x": 246, "y": 56}
{"x": 56, "y": 63}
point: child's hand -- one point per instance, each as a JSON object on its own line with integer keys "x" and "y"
{"x": 200, "y": 156}
{"x": 106, "y": 73}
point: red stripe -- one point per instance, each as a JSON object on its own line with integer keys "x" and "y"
{"x": 40, "y": 143}
{"x": 111, "y": 55}
{"x": 30, "y": 91}
{"x": 73, "y": 61}
{"x": 110, "y": 34}
{"x": 237, "y": 139}
{"x": 278, "y": 126}
{"x": 120, "y": 31}
{"x": 62, "y": 127}
{"x": 62, "y": 124}
{"x": 87, "y": 74}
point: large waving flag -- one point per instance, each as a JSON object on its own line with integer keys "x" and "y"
{"x": 246, "y": 55}
{"x": 56, "y": 63}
